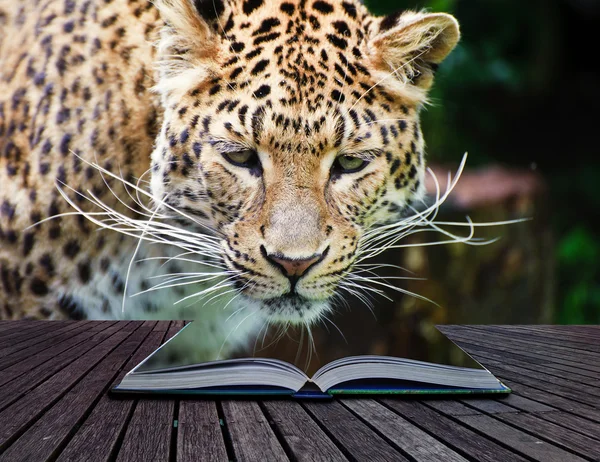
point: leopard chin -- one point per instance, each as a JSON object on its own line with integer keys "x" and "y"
{"x": 289, "y": 309}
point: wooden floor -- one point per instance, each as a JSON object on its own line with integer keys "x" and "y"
{"x": 53, "y": 404}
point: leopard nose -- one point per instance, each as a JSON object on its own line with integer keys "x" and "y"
{"x": 294, "y": 267}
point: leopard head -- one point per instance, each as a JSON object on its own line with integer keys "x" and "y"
{"x": 290, "y": 129}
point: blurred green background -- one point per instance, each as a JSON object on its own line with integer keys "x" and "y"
{"x": 522, "y": 91}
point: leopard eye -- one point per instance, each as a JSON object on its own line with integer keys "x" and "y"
{"x": 246, "y": 158}
{"x": 349, "y": 164}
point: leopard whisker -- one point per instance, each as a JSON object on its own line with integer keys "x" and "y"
{"x": 394, "y": 72}
{"x": 233, "y": 331}
{"x": 398, "y": 289}
{"x": 326, "y": 318}
{"x": 145, "y": 193}
{"x": 104, "y": 225}
{"x": 130, "y": 265}
{"x": 189, "y": 260}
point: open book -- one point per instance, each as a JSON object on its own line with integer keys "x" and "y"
{"x": 169, "y": 371}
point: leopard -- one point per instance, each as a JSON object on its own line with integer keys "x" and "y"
{"x": 217, "y": 160}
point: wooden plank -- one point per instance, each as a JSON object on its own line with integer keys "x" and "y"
{"x": 565, "y": 419}
{"x": 490, "y": 406}
{"x": 530, "y": 391}
{"x": 148, "y": 435}
{"x": 524, "y": 357}
{"x": 582, "y": 359}
{"x": 537, "y": 337}
{"x": 592, "y": 386}
{"x": 45, "y": 437}
{"x": 22, "y": 377}
{"x": 498, "y": 340}
{"x": 574, "y": 373}
{"x": 573, "y": 422}
{"x": 162, "y": 326}
{"x": 304, "y": 438}
{"x": 556, "y": 434}
{"x": 100, "y": 433}
{"x": 356, "y": 439}
{"x": 199, "y": 435}
{"x": 568, "y": 333}
{"x": 522, "y": 349}
{"x": 141, "y": 442}
{"x": 553, "y": 386}
{"x": 21, "y": 351}
{"x": 517, "y": 439}
{"x": 26, "y": 333}
{"x": 525, "y": 404}
{"x": 402, "y": 433}
{"x": 460, "y": 438}
{"x": 6, "y": 325}
{"x": 519, "y": 341}
{"x": 251, "y": 436}
{"x": 19, "y": 415}
{"x": 97, "y": 326}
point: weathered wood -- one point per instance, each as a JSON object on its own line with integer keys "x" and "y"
{"x": 25, "y": 333}
{"x": 354, "y": 436}
{"x": 17, "y": 417}
{"x": 19, "y": 378}
{"x": 57, "y": 407}
{"x": 490, "y": 406}
{"x": 525, "y": 404}
{"x": 462, "y": 439}
{"x": 20, "y": 351}
{"x": 556, "y": 434}
{"x": 47, "y": 434}
{"x": 402, "y": 433}
{"x": 521, "y": 361}
{"x": 140, "y": 441}
{"x": 527, "y": 350}
{"x": 143, "y": 442}
{"x": 516, "y": 439}
{"x": 553, "y": 386}
{"x": 302, "y": 435}
{"x": 566, "y": 332}
{"x": 251, "y": 436}
{"x": 583, "y": 359}
{"x": 199, "y": 434}
{"x": 530, "y": 391}
{"x": 99, "y": 434}
{"x": 531, "y": 335}
{"x": 148, "y": 435}
{"x": 6, "y": 325}
{"x": 573, "y": 422}
{"x": 528, "y": 344}
{"x": 540, "y": 373}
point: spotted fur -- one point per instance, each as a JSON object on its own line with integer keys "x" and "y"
{"x": 174, "y": 87}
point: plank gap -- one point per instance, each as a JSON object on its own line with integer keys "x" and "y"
{"x": 331, "y": 436}
{"x": 280, "y": 437}
{"x": 174, "y": 432}
{"x": 225, "y": 431}
{"x": 119, "y": 441}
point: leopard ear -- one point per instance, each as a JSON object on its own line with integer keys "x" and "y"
{"x": 411, "y": 46}
{"x": 189, "y": 43}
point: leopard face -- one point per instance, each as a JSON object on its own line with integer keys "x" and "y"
{"x": 291, "y": 128}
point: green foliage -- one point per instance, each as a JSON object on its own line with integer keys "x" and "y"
{"x": 579, "y": 263}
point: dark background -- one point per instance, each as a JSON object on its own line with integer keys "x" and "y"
{"x": 521, "y": 94}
